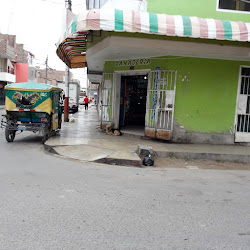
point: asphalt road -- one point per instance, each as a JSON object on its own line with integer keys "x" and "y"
{"x": 47, "y": 202}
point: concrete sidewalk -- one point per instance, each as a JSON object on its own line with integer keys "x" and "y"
{"x": 83, "y": 140}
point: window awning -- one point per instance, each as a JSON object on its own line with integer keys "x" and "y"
{"x": 72, "y": 47}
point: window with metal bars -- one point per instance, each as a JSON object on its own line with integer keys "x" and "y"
{"x": 239, "y": 5}
{"x": 244, "y": 119}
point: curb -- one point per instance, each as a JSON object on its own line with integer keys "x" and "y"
{"x": 50, "y": 149}
{"x": 120, "y": 162}
{"x": 127, "y": 134}
{"x": 109, "y": 161}
{"x": 204, "y": 156}
{"x": 164, "y": 154}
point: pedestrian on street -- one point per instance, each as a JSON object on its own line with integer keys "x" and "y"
{"x": 86, "y": 102}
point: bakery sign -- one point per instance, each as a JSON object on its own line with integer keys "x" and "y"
{"x": 133, "y": 62}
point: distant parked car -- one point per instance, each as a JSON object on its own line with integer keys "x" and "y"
{"x": 81, "y": 100}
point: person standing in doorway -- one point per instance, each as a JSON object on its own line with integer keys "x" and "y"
{"x": 86, "y": 102}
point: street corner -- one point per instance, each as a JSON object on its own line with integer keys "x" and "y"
{"x": 81, "y": 152}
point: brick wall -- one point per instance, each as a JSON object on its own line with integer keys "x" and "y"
{"x": 21, "y": 54}
{"x": 7, "y": 46}
{"x": 11, "y": 50}
{"x": 52, "y": 76}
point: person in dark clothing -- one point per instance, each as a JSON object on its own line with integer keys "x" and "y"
{"x": 86, "y": 102}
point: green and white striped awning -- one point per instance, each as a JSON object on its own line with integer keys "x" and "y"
{"x": 72, "y": 45}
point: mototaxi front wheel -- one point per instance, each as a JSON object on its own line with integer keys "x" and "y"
{"x": 10, "y": 135}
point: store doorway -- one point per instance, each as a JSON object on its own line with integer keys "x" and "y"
{"x": 133, "y": 99}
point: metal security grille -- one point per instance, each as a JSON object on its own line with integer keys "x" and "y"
{"x": 166, "y": 100}
{"x": 160, "y": 104}
{"x": 107, "y": 85}
{"x": 152, "y": 98}
{"x": 243, "y": 107}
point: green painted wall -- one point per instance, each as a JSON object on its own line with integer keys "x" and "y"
{"x": 200, "y": 8}
{"x": 206, "y": 91}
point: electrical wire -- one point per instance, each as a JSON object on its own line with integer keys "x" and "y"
{"x": 40, "y": 60}
{"x": 77, "y": 4}
{"x": 245, "y": 1}
{"x": 51, "y": 2}
{"x": 48, "y": 1}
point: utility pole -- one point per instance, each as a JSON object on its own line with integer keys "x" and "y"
{"x": 46, "y": 65}
{"x": 66, "y": 100}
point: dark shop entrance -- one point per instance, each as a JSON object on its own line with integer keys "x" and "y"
{"x": 133, "y": 100}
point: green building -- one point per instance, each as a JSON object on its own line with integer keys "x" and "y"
{"x": 179, "y": 69}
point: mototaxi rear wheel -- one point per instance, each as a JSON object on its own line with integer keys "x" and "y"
{"x": 10, "y": 135}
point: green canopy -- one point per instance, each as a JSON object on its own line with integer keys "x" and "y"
{"x": 32, "y": 86}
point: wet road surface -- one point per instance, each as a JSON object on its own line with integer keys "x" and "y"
{"x": 47, "y": 202}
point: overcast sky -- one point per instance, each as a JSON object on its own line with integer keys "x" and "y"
{"x": 38, "y": 25}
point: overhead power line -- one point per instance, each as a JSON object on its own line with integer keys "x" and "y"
{"x": 245, "y": 1}
{"x": 50, "y": 2}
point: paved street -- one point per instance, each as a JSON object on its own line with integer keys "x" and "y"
{"x": 48, "y": 202}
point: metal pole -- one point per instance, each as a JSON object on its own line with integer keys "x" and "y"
{"x": 46, "y": 65}
{"x": 87, "y": 4}
{"x": 66, "y": 100}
